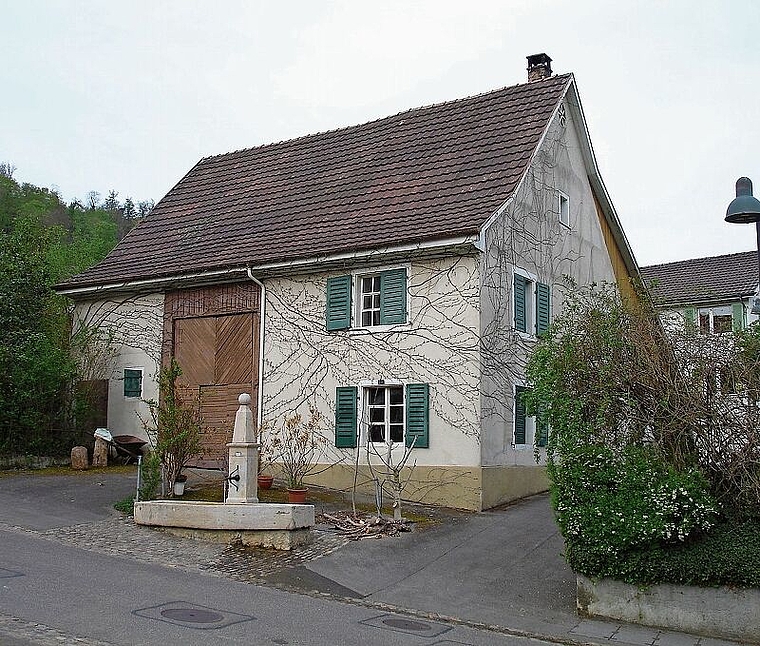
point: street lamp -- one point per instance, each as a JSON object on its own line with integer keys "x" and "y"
{"x": 745, "y": 209}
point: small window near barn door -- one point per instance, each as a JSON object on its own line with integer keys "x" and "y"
{"x": 133, "y": 382}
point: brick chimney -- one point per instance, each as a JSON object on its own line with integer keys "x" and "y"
{"x": 539, "y": 67}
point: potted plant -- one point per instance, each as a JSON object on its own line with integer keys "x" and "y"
{"x": 179, "y": 484}
{"x": 268, "y": 453}
{"x": 299, "y": 445}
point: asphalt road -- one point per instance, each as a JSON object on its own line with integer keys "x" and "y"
{"x": 53, "y": 593}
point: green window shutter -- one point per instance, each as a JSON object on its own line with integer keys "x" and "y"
{"x": 132, "y": 383}
{"x": 519, "y": 415}
{"x": 418, "y": 415}
{"x": 690, "y": 314}
{"x": 738, "y": 316}
{"x": 542, "y": 308}
{"x": 519, "y": 302}
{"x": 393, "y": 297}
{"x": 338, "y": 310}
{"x": 345, "y": 417}
{"x": 542, "y": 432}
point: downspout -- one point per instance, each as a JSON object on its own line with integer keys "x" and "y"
{"x": 262, "y": 327}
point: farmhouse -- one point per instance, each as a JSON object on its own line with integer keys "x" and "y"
{"x": 393, "y": 274}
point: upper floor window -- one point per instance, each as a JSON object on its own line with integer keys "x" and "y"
{"x": 717, "y": 320}
{"x": 531, "y": 305}
{"x": 367, "y": 300}
{"x": 563, "y": 208}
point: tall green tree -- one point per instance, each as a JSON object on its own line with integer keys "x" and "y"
{"x": 43, "y": 241}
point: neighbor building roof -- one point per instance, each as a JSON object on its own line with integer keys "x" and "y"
{"x": 430, "y": 173}
{"x": 703, "y": 280}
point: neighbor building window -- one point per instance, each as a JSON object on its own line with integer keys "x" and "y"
{"x": 133, "y": 382}
{"x": 531, "y": 304}
{"x": 718, "y": 320}
{"x": 366, "y": 300}
{"x": 395, "y": 414}
{"x": 563, "y": 208}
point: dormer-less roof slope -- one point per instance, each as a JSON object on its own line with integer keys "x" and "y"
{"x": 426, "y": 174}
{"x": 703, "y": 280}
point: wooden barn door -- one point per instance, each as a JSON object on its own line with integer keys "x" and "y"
{"x": 217, "y": 355}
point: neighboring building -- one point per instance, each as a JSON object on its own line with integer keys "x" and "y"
{"x": 394, "y": 274}
{"x": 712, "y": 293}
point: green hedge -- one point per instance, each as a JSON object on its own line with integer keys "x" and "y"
{"x": 729, "y": 554}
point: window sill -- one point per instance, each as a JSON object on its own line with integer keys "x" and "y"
{"x": 394, "y": 327}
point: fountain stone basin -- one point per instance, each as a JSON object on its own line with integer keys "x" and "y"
{"x": 252, "y": 524}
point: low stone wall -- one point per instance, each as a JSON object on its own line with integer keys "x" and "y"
{"x": 728, "y": 613}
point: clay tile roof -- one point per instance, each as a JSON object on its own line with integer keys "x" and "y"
{"x": 718, "y": 278}
{"x": 429, "y": 173}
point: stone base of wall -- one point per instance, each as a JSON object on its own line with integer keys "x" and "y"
{"x": 725, "y": 613}
{"x": 504, "y": 484}
{"x": 470, "y": 488}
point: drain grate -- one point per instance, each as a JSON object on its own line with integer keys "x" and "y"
{"x": 191, "y": 615}
{"x": 406, "y": 625}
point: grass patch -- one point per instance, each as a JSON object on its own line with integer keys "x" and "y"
{"x": 126, "y": 506}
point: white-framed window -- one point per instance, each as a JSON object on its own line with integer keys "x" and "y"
{"x": 715, "y": 320}
{"x": 563, "y": 208}
{"x": 527, "y": 431}
{"x": 384, "y": 410}
{"x": 531, "y": 303}
{"x": 369, "y": 299}
{"x": 133, "y": 378}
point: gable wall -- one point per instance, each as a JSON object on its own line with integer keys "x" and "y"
{"x": 528, "y": 235}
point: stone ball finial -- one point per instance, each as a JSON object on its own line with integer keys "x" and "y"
{"x": 244, "y": 399}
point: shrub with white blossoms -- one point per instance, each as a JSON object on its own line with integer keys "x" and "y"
{"x": 610, "y": 502}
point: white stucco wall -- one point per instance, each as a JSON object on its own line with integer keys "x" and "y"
{"x": 133, "y": 327}
{"x": 528, "y": 235}
{"x": 304, "y": 363}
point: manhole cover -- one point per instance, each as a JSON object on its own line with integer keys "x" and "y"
{"x": 406, "y": 624}
{"x": 192, "y": 615}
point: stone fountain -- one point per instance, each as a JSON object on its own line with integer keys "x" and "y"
{"x": 241, "y": 518}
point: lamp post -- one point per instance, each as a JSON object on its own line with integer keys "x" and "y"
{"x": 745, "y": 209}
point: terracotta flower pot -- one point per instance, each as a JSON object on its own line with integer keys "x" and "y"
{"x": 265, "y": 481}
{"x": 297, "y": 496}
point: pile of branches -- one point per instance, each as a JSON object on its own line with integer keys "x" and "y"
{"x": 357, "y": 527}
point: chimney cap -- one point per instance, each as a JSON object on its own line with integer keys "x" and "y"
{"x": 539, "y": 66}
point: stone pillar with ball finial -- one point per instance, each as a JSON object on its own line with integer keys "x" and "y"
{"x": 244, "y": 456}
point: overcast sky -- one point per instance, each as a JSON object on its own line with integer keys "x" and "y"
{"x": 130, "y": 95}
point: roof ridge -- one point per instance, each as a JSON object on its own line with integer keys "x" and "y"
{"x": 301, "y": 138}
{"x": 681, "y": 262}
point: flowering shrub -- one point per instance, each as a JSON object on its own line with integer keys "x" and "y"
{"x": 608, "y": 503}
{"x": 653, "y": 445}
